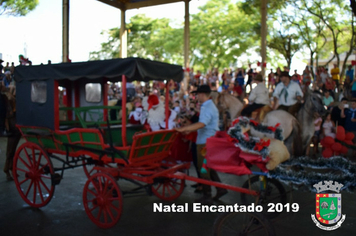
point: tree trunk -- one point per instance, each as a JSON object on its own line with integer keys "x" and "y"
{"x": 312, "y": 63}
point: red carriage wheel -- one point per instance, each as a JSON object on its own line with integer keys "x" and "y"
{"x": 32, "y": 171}
{"x": 102, "y": 200}
{"x": 89, "y": 164}
{"x": 168, "y": 189}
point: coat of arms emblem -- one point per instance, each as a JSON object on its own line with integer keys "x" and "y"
{"x": 328, "y": 205}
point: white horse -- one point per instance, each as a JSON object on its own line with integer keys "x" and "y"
{"x": 227, "y": 102}
{"x": 297, "y": 131}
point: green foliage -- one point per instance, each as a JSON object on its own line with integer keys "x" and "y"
{"x": 148, "y": 38}
{"x": 219, "y": 33}
{"x": 17, "y": 7}
{"x": 223, "y": 30}
{"x": 333, "y": 24}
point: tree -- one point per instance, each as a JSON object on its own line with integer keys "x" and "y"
{"x": 148, "y": 38}
{"x": 17, "y": 7}
{"x": 313, "y": 36}
{"x": 283, "y": 38}
{"x": 339, "y": 23}
{"x": 221, "y": 32}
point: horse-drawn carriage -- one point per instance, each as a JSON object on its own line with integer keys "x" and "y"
{"x": 82, "y": 134}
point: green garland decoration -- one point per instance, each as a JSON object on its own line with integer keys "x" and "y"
{"x": 337, "y": 169}
{"x": 345, "y": 144}
{"x": 253, "y": 144}
{"x": 244, "y": 121}
{"x": 247, "y": 145}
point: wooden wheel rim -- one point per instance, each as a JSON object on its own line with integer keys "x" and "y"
{"x": 168, "y": 189}
{"x": 102, "y": 200}
{"x": 32, "y": 171}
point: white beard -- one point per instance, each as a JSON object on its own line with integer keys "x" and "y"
{"x": 155, "y": 117}
{"x": 136, "y": 115}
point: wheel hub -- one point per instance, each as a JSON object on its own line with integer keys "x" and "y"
{"x": 100, "y": 201}
{"x": 33, "y": 174}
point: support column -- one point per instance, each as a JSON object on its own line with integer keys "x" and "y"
{"x": 263, "y": 35}
{"x": 186, "y": 34}
{"x": 123, "y": 35}
{"x": 65, "y": 31}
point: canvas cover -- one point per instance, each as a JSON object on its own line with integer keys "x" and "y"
{"x": 135, "y": 69}
{"x": 30, "y": 113}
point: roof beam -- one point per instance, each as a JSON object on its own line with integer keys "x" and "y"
{"x": 149, "y": 3}
{"x": 114, "y": 3}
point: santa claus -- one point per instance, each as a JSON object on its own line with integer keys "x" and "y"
{"x": 156, "y": 114}
{"x": 138, "y": 116}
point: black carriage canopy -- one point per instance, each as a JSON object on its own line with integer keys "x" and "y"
{"x": 135, "y": 69}
{"x": 35, "y": 107}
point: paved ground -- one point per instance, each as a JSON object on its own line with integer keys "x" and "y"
{"x": 65, "y": 214}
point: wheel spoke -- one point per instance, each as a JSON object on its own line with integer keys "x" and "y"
{"x": 110, "y": 213}
{"x": 163, "y": 189}
{"x": 28, "y": 189}
{"x": 106, "y": 183}
{"x": 23, "y": 181}
{"x": 158, "y": 186}
{"x": 21, "y": 170}
{"x": 45, "y": 177}
{"x": 94, "y": 207}
{"x": 92, "y": 192}
{"x": 40, "y": 191}
{"x": 44, "y": 185}
{"x": 173, "y": 187}
{"x": 40, "y": 170}
{"x": 105, "y": 215}
{"x": 94, "y": 183}
{"x": 114, "y": 207}
{"x": 28, "y": 157}
{"x": 39, "y": 160}
{"x": 99, "y": 213}
{"x": 34, "y": 192}
{"x": 25, "y": 163}
{"x": 101, "y": 184}
{"x": 168, "y": 190}
{"x": 34, "y": 157}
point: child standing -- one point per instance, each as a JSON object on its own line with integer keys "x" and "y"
{"x": 315, "y": 139}
{"x": 329, "y": 127}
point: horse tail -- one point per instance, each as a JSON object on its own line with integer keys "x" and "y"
{"x": 297, "y": 139}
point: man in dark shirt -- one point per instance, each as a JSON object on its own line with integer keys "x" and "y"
{"x": 336, "y": 112}
{"x": 350, "y": 118}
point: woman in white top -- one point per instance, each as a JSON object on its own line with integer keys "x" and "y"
{"x": 258, "y": 97}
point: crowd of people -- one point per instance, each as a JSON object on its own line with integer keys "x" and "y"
{"x": 280, "y": 90}
{"x": 8, "y": 114}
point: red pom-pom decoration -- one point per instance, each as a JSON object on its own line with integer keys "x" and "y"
{"x": 344, "y": 150}
{"x": 349, "y": 142}
{"x": 327, "y": 153}
{"x": 340, "y": 133}
{"x": 328, "y": 141}
{"x": 349, "y": 136}
{"x": 336, "y": 147}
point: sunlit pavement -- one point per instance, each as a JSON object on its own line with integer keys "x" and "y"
{"x": 65, "y": 214}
